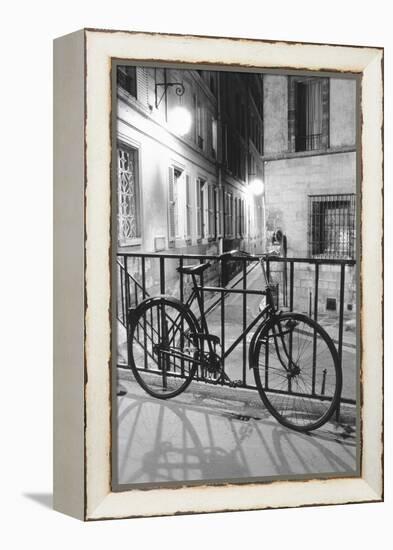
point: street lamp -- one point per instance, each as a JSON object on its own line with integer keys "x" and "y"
{"x": 178, "y": 86}
{"x": 256, "y": 187}
{"x": 180, "y": 117}
{"x": 180, "y": 120}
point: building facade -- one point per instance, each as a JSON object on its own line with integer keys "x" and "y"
{"x": 189, "y": 189}
{"x": 310, "y": 178}
{"x": 209, "y": 161}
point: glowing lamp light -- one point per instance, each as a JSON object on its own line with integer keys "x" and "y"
{"x": 256, "y": 187}
{"x": 181, "y": 120}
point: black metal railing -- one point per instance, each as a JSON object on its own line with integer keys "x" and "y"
{"x": 140, "y": 275}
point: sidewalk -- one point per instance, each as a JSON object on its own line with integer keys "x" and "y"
{"x": 215, "y": 433}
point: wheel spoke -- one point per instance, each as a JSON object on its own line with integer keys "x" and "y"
{"x": 162, "y": 356}
{"x": 290, "y": 395}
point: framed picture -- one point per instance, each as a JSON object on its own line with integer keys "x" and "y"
{"x": 218, "y": 274}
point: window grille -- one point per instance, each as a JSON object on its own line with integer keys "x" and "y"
{"x": 128, "y": 207}
{"x": 331, "y": 231}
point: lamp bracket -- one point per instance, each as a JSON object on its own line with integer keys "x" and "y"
{"x": 179, "y": 90}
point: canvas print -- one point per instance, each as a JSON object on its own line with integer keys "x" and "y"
{"x": 235, "y": 212}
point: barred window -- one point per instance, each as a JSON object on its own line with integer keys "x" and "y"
{"x": 331, "y": 231}
{"x": 128, "y": 196}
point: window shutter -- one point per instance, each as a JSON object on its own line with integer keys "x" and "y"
{"x": 219, "y": 213}
{"x": 231, "y": 214}
{"x": 226, "y": 225}
{"x": 188, "y": 207}
{"x": 141, "y": 86}
{"x": 243, "y": 214}
{"x": 198, "y": 209}
{"x": 216, "y": 213}
{"x": 205, "y": 195}
{"x": 211, "y": 210}
{"x": 171, "y": 205}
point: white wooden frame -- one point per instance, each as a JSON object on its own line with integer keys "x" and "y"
{"x": 82, "y": 418}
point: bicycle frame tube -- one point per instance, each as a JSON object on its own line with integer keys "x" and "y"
{"x": 196, "y": 293}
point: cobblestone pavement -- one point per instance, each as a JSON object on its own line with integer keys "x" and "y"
{"x": 210, "y": 433}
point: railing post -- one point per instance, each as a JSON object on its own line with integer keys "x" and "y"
{"x": 143, "y": 266}
{"x": 144, "y": 276}
{"x": 162, "y": 275}
{"x": 340, "y": 328}
{"x": 122, "y": 297}
{"x": 244, "y": 322}
{"x": 291, "y": 275}
{"x": 127, "y": 287}
{"x": 127, "y": 303}
{"x": 314, "y": 348}
{"x": 181, "y": 294}
{"x": 181, "y": 281}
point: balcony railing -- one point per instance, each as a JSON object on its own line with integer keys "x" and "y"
{"x": 311, "y": 142}
{"x": 140, "y": 275}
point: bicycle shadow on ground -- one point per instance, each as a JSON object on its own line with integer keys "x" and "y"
{"x": 192, "y": 438}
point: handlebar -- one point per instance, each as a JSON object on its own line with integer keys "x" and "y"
{"x": 242, "y": 253}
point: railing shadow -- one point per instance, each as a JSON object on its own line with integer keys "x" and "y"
{"x": 180, "y": 441}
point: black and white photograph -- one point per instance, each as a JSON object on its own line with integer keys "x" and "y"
{"x": 235, "y": 280}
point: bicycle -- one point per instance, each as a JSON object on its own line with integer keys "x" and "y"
{"x": 294, "y": 361}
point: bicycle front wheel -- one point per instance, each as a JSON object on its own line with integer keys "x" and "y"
{"x": 162, "y": 345}
{"x": 297, "y": 372}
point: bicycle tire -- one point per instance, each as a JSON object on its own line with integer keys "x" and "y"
{"x": 159, "y": 329}
{"x": 306, "y": 400}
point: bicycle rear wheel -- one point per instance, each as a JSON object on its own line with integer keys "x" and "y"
{"x": 162, "y": 344}
{"x": 297, "y": 372}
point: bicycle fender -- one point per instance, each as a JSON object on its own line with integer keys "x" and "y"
{"x": 134, "y": 312}
{"x": 253, "y": 344}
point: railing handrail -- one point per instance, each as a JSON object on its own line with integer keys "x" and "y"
{"x": 217, "y": 257}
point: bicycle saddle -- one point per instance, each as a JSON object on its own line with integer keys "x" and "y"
{"x": 193, "y": 269}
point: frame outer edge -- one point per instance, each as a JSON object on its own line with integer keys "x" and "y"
{"x": 69, "y": 277}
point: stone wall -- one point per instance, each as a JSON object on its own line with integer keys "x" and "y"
{"x": 288, "y": 182}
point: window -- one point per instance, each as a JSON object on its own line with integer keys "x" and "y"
{"x": 242, "y": 225}
{"x": 212, "y": 83}
{"x": 214, "y": 138}
{"x": 228, "y": 214}
{"x": 308, "y": 113}
{"x": 176, "y": 206}
{"x": 188, "y": 207}
{"x": 211, "y": 212}
{"x": 205, "y": 209}
{"x": 126, "y": 79}
{"x": 128, "y": 196}
{"x": 218, "y": 211}
{"x": 200, "y": 129}
{"x": 332, "y": 226}
{"x": 200, "y": 183}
